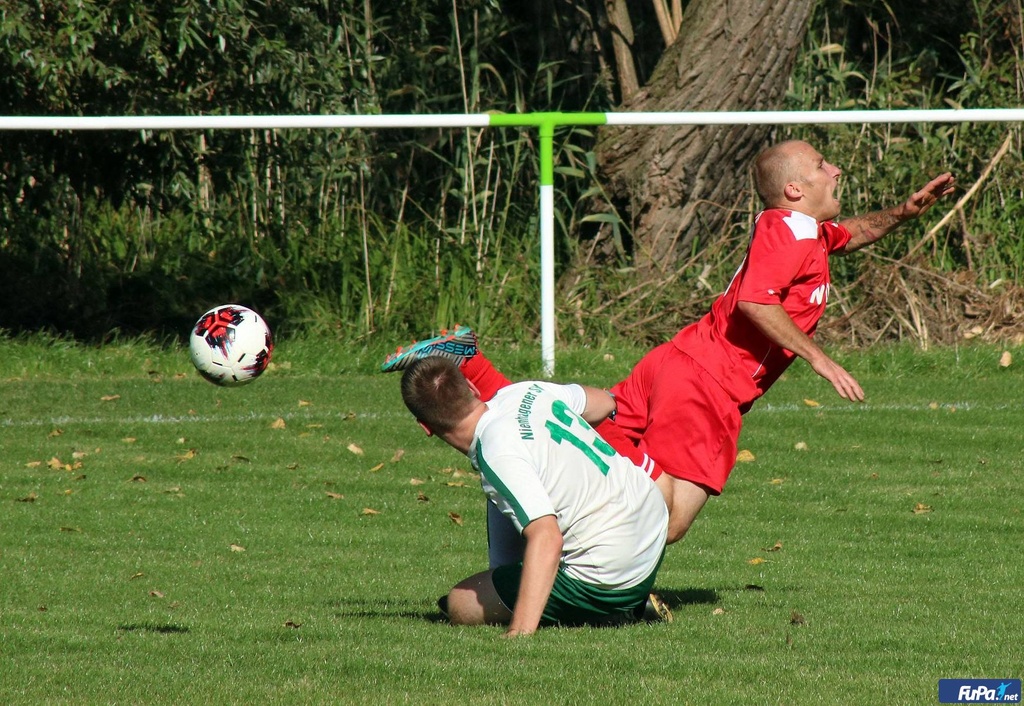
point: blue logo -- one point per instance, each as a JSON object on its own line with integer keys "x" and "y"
{"x": 979, "y": 691}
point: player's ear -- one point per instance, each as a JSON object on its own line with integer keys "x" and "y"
{"x": 792, "y": 191}
{"x": 475, "y": 389}
{"x": 425, "y": 428}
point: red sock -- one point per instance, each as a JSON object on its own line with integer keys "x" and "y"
{"x": 481, "y": 372}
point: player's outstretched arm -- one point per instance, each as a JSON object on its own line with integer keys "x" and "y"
{"x": 773, "y": 321}
{"x": 871, "y": 227}
{"x": 540, "y": 564}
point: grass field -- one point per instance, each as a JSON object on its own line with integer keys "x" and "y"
{"x": 164, "y": 541}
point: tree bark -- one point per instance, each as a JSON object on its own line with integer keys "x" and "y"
{"x": 676, "y": 182}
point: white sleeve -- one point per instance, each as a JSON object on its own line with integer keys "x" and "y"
{"x": 575, "y": 397}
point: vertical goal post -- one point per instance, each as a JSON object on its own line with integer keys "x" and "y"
{"x": 546, "y": 123}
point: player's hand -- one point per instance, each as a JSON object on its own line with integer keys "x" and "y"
{"x": 844, "y": 383}
{"x": 924, "y": 199}
{"x": 515, "y": 632}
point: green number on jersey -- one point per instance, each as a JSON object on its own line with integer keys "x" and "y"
{"x": 560, "y": 410}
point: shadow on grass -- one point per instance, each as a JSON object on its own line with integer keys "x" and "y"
{"x": 154, "y": 628}
{"x": 676, "y": 598}
{"x": 376, "y": 609}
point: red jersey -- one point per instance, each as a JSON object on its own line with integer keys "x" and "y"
{"x": 787, "y": 264}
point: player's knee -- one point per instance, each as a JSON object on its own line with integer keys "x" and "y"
{"x": 464, "y": 607}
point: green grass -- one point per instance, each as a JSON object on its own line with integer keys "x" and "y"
{"x": 121, "y": 579}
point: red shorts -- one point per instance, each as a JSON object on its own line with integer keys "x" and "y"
{"x": 682, "y": 417}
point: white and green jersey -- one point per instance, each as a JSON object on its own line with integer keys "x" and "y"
{"x": 537, "y": 456}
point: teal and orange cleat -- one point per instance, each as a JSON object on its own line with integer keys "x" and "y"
{"x": 459, "y": 345}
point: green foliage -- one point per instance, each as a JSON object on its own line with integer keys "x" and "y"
{"x": 883, "y": 163}
{"x": 358, "y": 232}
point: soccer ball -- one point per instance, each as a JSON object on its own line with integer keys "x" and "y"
{"x": 231, "y": 345}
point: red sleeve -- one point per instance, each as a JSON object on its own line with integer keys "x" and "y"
{"x": 835, "y": 234}
{"x": 775, "y": 257}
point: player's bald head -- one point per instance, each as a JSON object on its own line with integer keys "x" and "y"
{"x": 777, "y": 166}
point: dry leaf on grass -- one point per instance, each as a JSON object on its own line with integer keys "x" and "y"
{"x": 812, "y": 403}
{"x": 398, "y": 456}
{"x": 377, "y": 468}
{"x": 774, "y": 548}
{"x": 370, "y": 511}
{"x": 355, "y": 449}
{"x": 921, "y": 508}
{"x": 110, "y": 398}
{"x": 1006, "y": 359}
{"x": 278, "y": 423}
{"x": 756, "y": 560}
{"x": 335, "y": 496}
{"x": 745, "y": 456}
{"x": 796, "y": 618}
{"x": 237, "y": 548}
{"x": 456, "y": 518}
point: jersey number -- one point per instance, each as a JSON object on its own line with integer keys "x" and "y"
{"x": 562, "y": 432}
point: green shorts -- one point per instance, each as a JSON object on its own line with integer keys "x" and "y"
{"x": 573, "y": 602}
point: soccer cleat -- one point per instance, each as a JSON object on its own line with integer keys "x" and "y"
{"x": 459, "y": 345}
{"x": 656, "y": 610}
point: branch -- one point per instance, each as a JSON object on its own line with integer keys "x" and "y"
{"x": 669, "y": 30}
{"x": 958, "y": 207}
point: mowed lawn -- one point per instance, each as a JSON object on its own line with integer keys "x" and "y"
{"x": 165, "y": 541}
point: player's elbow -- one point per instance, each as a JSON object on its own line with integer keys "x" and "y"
{"x": 749, "y": 309}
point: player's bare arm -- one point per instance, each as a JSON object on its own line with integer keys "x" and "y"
{"x": 600, "y": 405}
{"x": 773, "y": 321}
{"x": 870, "y": 227}
{"x": 540, "y": 564}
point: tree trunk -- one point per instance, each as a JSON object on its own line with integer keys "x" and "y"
{"x": 675, "y": 182}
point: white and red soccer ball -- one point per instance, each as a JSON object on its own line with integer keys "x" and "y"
{"x": 231, "y": 345}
